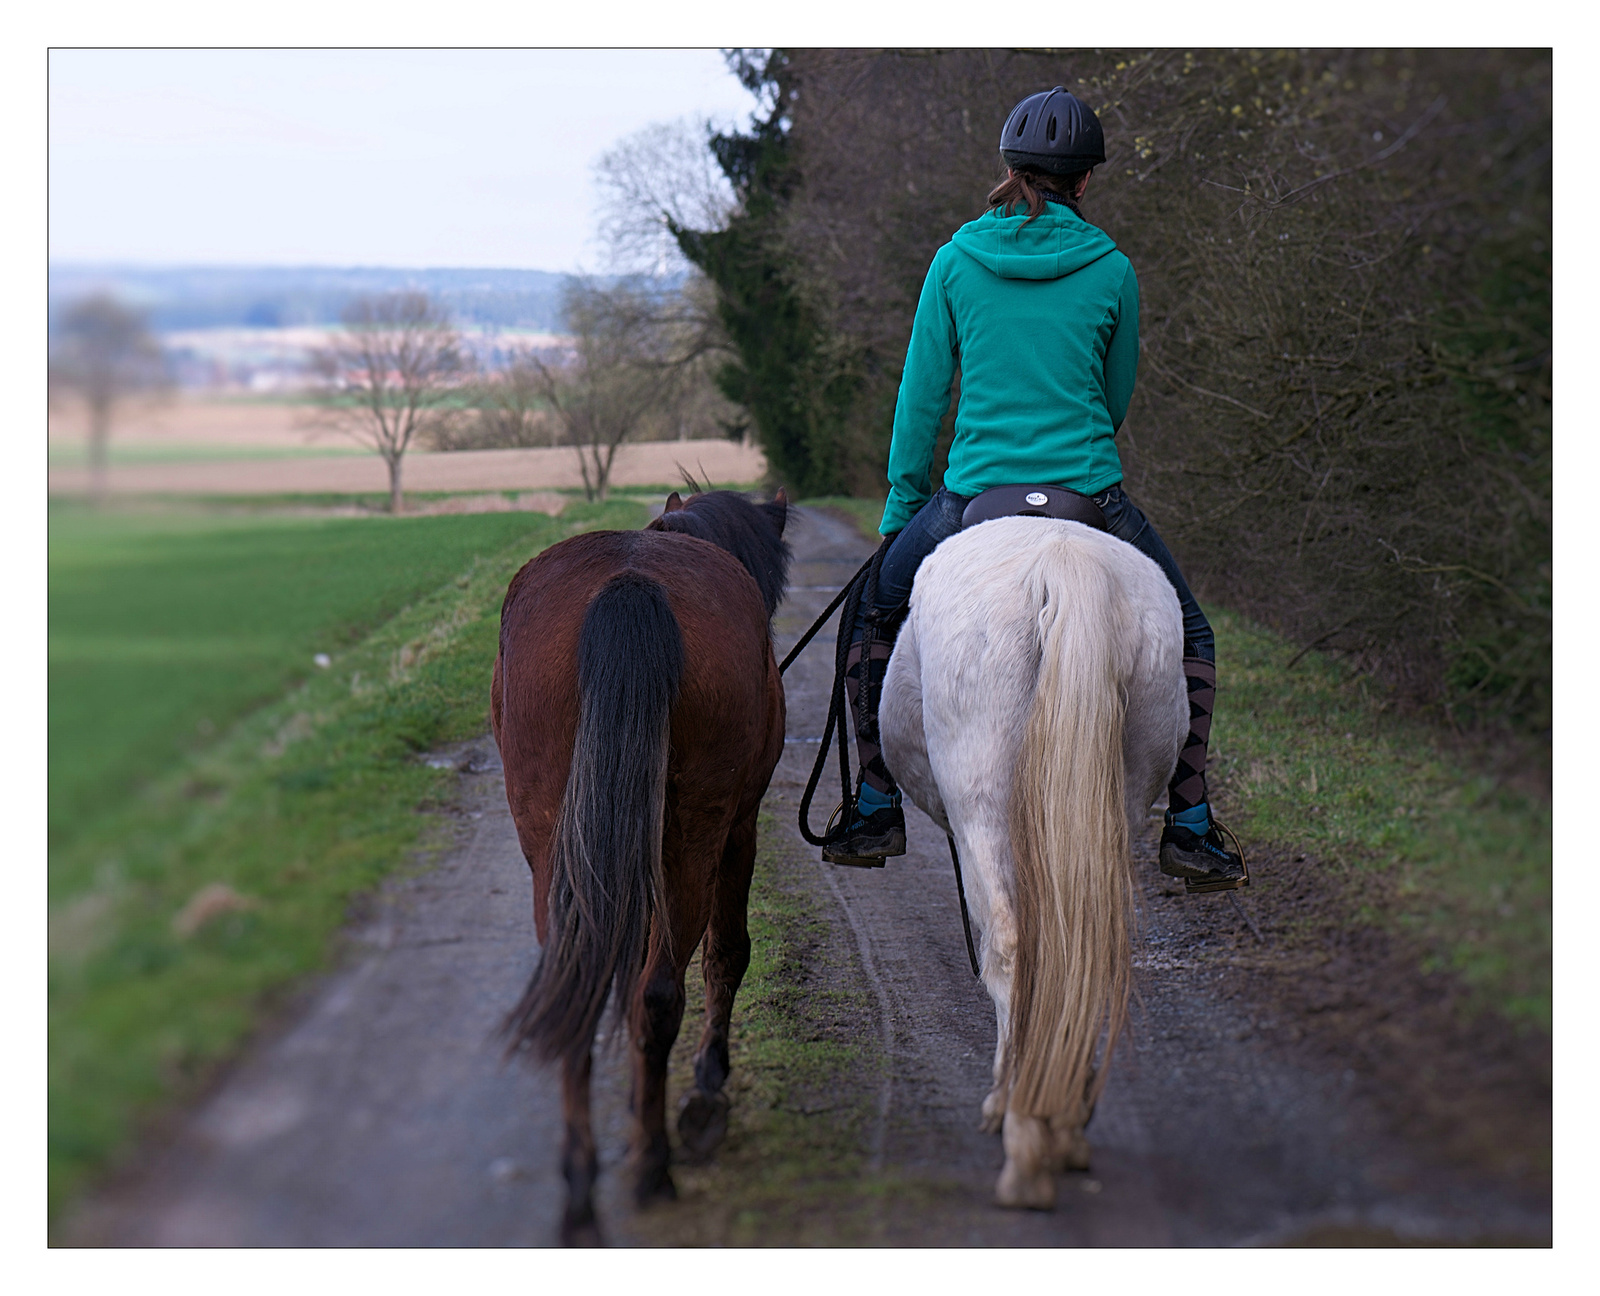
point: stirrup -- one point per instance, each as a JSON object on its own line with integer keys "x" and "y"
{"x": 1198, "y": 886}
{"x": 848, "y": 861}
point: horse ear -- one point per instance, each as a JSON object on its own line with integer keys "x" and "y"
{"x": 673, "y": 504}
{"x": 780, "y": 506}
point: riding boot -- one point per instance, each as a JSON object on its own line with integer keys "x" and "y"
{"x": 864, "y": 711}
{"x": 1192, "y": 845}
{"x": 874, "y": 828}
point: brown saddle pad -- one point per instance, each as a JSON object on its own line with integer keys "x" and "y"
{"x": 1033, "y": 501}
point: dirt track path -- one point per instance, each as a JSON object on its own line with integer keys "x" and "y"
{"x": 382, "y": 1115}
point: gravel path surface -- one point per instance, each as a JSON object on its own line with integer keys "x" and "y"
{"x": 382, "y": 1114}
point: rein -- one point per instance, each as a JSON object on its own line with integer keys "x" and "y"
{"x": 827, "y": 612}
{"x": 861, "y": 588}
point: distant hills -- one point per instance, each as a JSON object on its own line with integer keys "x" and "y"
{"x": 197, "y": 297}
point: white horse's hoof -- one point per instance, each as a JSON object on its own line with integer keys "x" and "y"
{"x": 1018, "y": 1191}
{"x": 994, "y": 1111}
{"x": 1071, "y": 1149}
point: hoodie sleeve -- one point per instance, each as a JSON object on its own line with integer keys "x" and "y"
{"x": 1122, "y": 351}
{"x": 924, "y": 398}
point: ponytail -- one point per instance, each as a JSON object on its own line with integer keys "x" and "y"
{"x": 1027, "y": 186}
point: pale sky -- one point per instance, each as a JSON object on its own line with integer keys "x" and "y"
{"x": 337, "y": 157}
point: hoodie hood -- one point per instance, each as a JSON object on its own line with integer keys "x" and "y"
{"x": 1053, "y": 244}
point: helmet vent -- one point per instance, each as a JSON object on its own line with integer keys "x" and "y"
{"x": 1050, "y": 131}
{"x": 1023, "y": 124}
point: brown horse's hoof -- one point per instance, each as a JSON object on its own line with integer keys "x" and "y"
{"x": 654, "y": 1185}
{"x": 579, "y": 1228}
{"x": 702, "y": 1123}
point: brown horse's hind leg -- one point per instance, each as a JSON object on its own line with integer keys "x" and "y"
{"x": 658, "y": 1015}
{"x": 580, "y": 1165}
{"x": 703, "y": 1117}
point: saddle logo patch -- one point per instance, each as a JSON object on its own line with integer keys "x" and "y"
{"x": 1036, "y": 498}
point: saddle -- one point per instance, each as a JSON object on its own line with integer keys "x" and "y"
{"x": 1032, "y": 501}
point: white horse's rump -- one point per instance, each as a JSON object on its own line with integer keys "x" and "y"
{"x": 1034, "y": 707}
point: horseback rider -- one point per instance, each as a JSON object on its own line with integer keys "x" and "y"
{"x": 1042, "y": 312}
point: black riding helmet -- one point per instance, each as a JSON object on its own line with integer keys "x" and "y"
{"x": 1054, "y": 131}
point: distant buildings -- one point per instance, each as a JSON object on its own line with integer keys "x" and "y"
{"x": 247, "y": 329}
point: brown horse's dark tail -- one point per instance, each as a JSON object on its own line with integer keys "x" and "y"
{"x": 605, "y": 878}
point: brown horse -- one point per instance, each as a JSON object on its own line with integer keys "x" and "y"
{"x": 639, "y": 713}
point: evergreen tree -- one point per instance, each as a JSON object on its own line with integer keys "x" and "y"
{"x": 794, "y": 385}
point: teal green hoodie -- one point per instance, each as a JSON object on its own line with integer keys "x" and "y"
{"x": 1043, "y": 318}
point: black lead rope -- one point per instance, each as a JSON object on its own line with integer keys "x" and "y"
{"x": 860, "y": 587}
{"x": 822, "y": 620}
{"x": 966, "y": 921}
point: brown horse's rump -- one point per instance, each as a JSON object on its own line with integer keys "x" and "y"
{"x": 726, "y": 703}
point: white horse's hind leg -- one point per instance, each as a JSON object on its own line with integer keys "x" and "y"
{"x": 998, "y": 952}
{"x": 1036, "y": 1151}
{"x": 1069, "y": 1145}
{"x": 1028, "y": 1179}
{"x": 975, "y": 743}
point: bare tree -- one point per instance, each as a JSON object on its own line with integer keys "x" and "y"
{"x": 657, "y": 178}
{"x": 632, "y": 348}
{"x": 655, "y": 184}
{"x": 387, "y": 376}
{"x": 643, "y": 351}
{"x": 507, "y": 410}
{"x": 104, "y": 353}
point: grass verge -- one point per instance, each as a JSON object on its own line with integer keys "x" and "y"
{"x": 1310, "y": 756}
{"x": 792, "y": 1171}
{"x": 178, "y": 920}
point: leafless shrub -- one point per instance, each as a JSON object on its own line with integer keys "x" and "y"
{"x": 502, "y": 411}
{"x": 638, "y": 367}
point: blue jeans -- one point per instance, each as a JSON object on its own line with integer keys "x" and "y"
{"x": 940, "y": 518}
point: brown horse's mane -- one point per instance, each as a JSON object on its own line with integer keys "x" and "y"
{"x": 752, "y": 533}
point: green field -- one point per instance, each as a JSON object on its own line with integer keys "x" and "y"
{"x": 164, "y": 629}
{"x": 195, "y": 750}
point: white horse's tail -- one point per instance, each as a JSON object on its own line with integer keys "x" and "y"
{"x": 1069, "y": 833}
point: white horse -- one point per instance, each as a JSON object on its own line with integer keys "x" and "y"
{"x": 1034, "y": 707}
